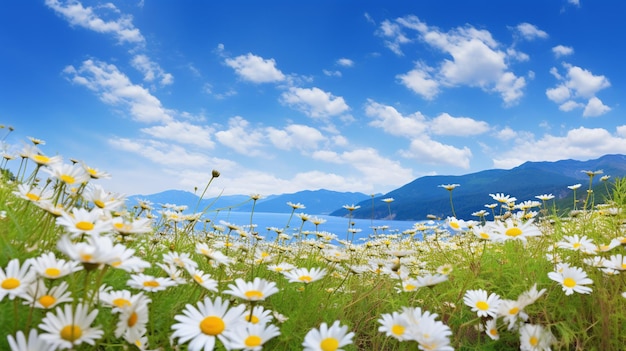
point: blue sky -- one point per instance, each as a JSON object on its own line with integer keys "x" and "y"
{"x": 283, "y": 96}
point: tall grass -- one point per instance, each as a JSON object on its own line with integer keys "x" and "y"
{"x": 364, "y": 280}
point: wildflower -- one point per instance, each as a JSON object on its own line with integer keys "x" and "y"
{"x": 124, "y": 259}
{"x": 14, "y": 280}
{"x": 259, "y": 315}
{"x": 50, "y": 267}
{"x": 491, "y": 329}
{"x": 203, "y": 279}
{"x": 34, "y": 342}
{"x": 149, "y": 283}
{"x": 535, "y": 338}
{"x": 573, "y": 280}
{"x": 203, "y": 324}
{"x": 41, "y": 297}
{"x": 182, "y": 260}
{"x": 134, "y": 317}
{"x": 617, "y": 262}
{"x": 351, "y": 207}
{"x": 577, "y": 243}
{"x": 574, "y": 187}
{"x": 431, "y": 334}
{"x": 456, "y": 224}
{"x": 70, "y": 174}
{"x": 41, "y": 159}
{"x": 216, "y": 257}
{"x": 545, "y": 197}
{"x": 33, "y": 193}
{"x": 95, "y": 173}
{"x": 328, "y": 339}
{"x": 483, "y": 305}
{"x": 66, "y": 329}
{"x": 431, "y": 279}
{"x": 449, "y": 187}
{"x": 83, "y": 221}
{"x": 281, "y": 267}
{"x": 395, "y": 325}
{"x": 117, "y": 299}
{"x": 98, "y": 250}
{"x": 530, "y": 296}
{"x": 304, "y": 275}
{"x": 250, "y": 336}
{"x": 503, "y": 199}
{"x": 297, "y": 206}
{"x": 257, "y": 290}
{"x": 511, "y": 229}
{"x": 445, "y": 269}
{"x": 510, "y": 311}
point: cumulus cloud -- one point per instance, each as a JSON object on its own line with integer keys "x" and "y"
{"x": 433, "y": 152}
{"x": 295, "y": 136}
{"x": 115, "y": 88}
{"x": 576, "y": 86}
{"x": 121, "y": 28}
{"x": 345, "y": 62}
{"x": 184, "y": 133}
{"x": 162, "y": 153}
{"x": 506, "y": 133}
{"x": 151, "y": 70}
{"x": 530, "y": 31}
{"x": 314, "y": 102}
{"x": 580, "y": 143}
{"x": 255, "y": 68}
{"x": 393, "y": 122}
{"x": 561, "y": 50}
{"x": 241, "y": 137}
{"x": 476, "y": 59}
{"x": 444, "y": 124}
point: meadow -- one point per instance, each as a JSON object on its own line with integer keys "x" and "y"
{"x": 79, "y": 270}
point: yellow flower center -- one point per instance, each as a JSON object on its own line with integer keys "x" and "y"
{"x": 623, "y": 266}
{"x": 493, "y": 332}
{"x": 71, "y": 333}
{"x": 99, "y": 203}
{"x": 305, "y": 278}
{"x": 410, "y": 287}
{"x": 514, "y": 231}
{"x": 198, "y": 279}
{"x": 82, "y": 225}
{"x": 52, "y": 272}
{"x": 533, "y": 341}
{"x": 132, "y": 320}
{"x": 513, "y": 310}
{"x": 455, "y": 225}
{"x": 569, "y": 282}
{"x": 151, "y": 283}
{"x": 121, "y": 302}
{"x": 253, "y": 294}
{"x": 329, "y": 344}
{"x": 67, "y": 179}
{"x": 484, "y": 235}
{"x": 212, "y": 325}
{"x": 47, "y": 300}
{"x": 254, "y": 319}
{"x": 576, "y": 245}
{"x": 397, "y": 329}
{"x": 10, "y": 283}
{"x": 252, "y": 341}
{"x": 33, "y": 197}
{"x": 86, "y": 257}
{"x": 41, "y": 159}
{"x": 482, "y": 305}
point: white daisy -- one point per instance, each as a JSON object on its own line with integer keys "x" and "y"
{"x": 149, "y": 283}
{"x": 326, "y": 339}
{"x": 14, "y": 280}
{"x": 83, "y": 221}
{"x": 41, "y": 297}
{"x": 535, "y": 338}
{"x": 257, "y": 290}
{"x": 250, "y": 336}
{"x": 483, "y": 305}
{"x": 202, "y": 325}
{"x": 66, "y": 329}
{"x": 305, "y": 275}
{"x": 573, "y": 279}
{"x": 395, "y": 325}
{"x": 203, "y": 279}
{"x": 49, "y": 266}
{"x": 34, "y": 342}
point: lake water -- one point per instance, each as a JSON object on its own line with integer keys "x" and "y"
{"x": 335, "y": 225}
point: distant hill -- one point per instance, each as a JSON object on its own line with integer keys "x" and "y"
{"x": 316, "y": 202}
{"x": 423, "y": 196}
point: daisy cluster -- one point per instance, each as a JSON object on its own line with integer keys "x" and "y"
{"x": 91, "y": 273}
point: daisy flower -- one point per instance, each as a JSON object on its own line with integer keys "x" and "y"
{"x": 123, "y": 226}
{"x": 433, "y": 335}
{"x": 431, "y": 279}
{"x": 573, "y": 279}
{"x": 577, "y": 243}
{"x": 281, "y": 267}
{"x": 70, "y": 174}
{"x": 174, "y": 272}
{"x": 133, "y": 318}
{"x": 513, "y": 229}
{"x": 510, "y": 311}
{"x": 103, "y": 199}
{"x": 33, "y": 193}
{"x": 41, "y": 297}
{"x": 250, "y": 336}
{"x": 116, "y": 299}
{"x": 203, "y": 279}
{"x": 395, "y": 325}
{"x": 83, "y": 221}
{"x": 49, "y": 266}
{"x": 305, "y": 275}
{"x": 182, "y": 260}
{"x": 491, "y": 329}
{"x": 259, "y": 315}
{"x": 257, "y": 290}
{"x": 125, "y": 260}
{"x": 483, "y": 305}
{"x": 66, "y": 329}
{"x": 14, "y": 280}
{"x": 617, "y": 262}
{"x": 202, "y": 325}
{"x": 34, "y": 342}
{"x": 535, "y": 338}
{"x": 149, "y": 283}
{"x": 503, "y": 199}
{"x": 96, "y": 251}
{"x": 328, "y": 339}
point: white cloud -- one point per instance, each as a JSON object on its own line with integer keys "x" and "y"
{"x": 115, "y": 88}
{"x": 184, "y": 133}
{"x": 295, "y": 136}
{"x": 121, "y": 28}
{"x": 240, "y": 137}
{"x": 151, "y": 70}
{"x": 530, "y": 32}
{"x": 561, "y": 50}
{"x": 376, "y": 169}
{"x": 595, "y": 108}
{"x": 476, "y": 60}
{"x": 574, "y": 2}
{"x": 314, "y": 102}
{"x": 345, "y": 62}
{"x": 332, "y": 73}
{"x": 444, "y": 124}
{"x": 393, "y": 122}
{"x": 255, "y": 68}
{"x": 161, "y": 153}
{"x": 430, "y": 151}
{"x": 621, "y": 131}
{"x": 420, "y": 81}
{"x": 507, "y": 133}
{"x": 578, "y": 84}
{"x": 581, "y": 144}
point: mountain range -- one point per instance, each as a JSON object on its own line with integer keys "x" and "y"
{"x": 421, "y": 197}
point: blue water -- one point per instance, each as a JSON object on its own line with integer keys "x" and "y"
{"x": 335, "y": 225}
